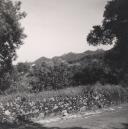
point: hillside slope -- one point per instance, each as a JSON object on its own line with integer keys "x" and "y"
{"x": 73, "y": 58}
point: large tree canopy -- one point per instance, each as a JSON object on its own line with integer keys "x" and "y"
{"x": 114, "y": 28}
{"x": 11, "y": 32}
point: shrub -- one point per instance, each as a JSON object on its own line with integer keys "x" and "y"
{"x": 22, "y": 107}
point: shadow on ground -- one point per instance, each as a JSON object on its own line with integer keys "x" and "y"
{"x": 31, "y": 125}
{"x": 125, "y": 126}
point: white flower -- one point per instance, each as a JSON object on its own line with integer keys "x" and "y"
{"x": 64, "y": 112}
{"x": 55, "y": 107}
{"x": 7, "y": 113}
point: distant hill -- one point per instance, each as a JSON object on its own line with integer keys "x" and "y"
{"x": 72, "y": 58}
{"x": 43, "y": 60}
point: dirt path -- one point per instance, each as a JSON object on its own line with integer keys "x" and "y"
{"x": 113, "y": 119}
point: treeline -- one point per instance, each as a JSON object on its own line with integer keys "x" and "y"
{"x": 59, "y": 74}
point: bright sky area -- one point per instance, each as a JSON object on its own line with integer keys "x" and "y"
{"x": 56, "y": 27}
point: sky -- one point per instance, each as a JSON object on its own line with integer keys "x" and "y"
{"x": 56, "y": 27}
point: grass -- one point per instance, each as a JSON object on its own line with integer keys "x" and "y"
{"x": 72, "y": 91}
{"x": 114, "y": 91}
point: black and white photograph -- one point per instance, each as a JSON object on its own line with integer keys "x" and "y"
{"x": 63, "y": 64}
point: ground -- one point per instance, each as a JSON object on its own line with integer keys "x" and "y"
{"x": 112, "y": 119}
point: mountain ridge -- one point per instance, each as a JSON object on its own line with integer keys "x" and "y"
{"x": 71, "y": 57}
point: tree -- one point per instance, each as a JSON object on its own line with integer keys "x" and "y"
{"x": 11, "y": 36}
{"x": 11, "y": 32}
{"x": 44, "y": 77}
{"x": 114, "y": 28}
{"x": 23, "y": 67}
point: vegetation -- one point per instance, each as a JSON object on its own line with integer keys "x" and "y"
{"x": 61, "y": 72}
{"x": 114, "y": 28}
{"x": 61, "y": 102}
{"x": 11, "y": 36}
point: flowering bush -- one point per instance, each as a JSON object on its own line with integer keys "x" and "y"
{"x": 22, "y": 108}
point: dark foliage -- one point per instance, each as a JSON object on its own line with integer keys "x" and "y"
{"x": 114, "y": 28}
{"x": 53, "y": 76}
{"x": 11, "y": 36}
{"x": 23, "y": 67}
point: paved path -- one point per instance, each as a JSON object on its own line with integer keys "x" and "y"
{"x": 113, "y": 119}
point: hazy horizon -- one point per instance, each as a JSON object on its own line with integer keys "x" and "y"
{"x": 57, "y": 27}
